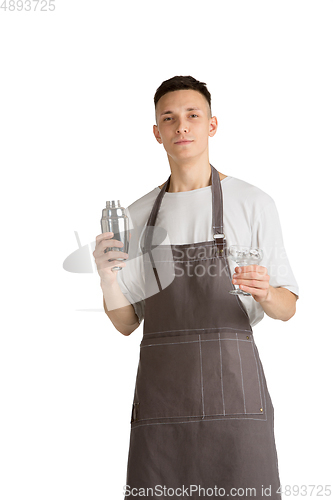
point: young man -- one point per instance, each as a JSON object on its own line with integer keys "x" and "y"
{"x": 202, "y": 414}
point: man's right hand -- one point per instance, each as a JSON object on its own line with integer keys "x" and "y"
{"x": 105, "y": 261}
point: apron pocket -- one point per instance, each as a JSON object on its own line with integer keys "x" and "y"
{"x": 169, "y": 380}
{"x": 242, "y": 391}
{"x": 211, "y": 375}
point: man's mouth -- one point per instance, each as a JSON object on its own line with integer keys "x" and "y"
{"x": 183, "y": 142}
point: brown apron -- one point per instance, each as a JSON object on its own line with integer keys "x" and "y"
{"x": 202, "y": 414}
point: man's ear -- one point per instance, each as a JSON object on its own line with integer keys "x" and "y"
{"x": 157, "y": 134}
{"x": 213, "y": 126}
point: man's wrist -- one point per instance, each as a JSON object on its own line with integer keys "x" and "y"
{"x": 269, "y": 297}
{"x": 108, "y": 284}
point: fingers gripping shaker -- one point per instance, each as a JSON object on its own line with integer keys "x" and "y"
{"x": 116, "y": 221}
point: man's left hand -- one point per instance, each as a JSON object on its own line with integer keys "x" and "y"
{"x": 254, "y": 280}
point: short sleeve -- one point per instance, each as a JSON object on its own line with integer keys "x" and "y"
{"x": 267, "y": 235}
{"x": 131, "y": 277}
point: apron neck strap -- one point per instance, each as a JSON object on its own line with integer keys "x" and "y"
{"x": 217, "y": 212}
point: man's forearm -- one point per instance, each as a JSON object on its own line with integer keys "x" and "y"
{"x": 119, "y": 310}
{"x": 280, "y": 303}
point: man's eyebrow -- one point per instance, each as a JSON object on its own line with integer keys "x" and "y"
{"x": 188, "y": 109}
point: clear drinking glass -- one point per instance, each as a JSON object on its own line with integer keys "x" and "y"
{"x": 244, "y": 256}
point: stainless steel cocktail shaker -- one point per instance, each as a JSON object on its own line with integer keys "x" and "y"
{"x": 115, "y": 220}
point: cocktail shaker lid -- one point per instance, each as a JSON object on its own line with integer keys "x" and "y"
{"x": 113, "y": 209}
{"x": 112, "y": 204}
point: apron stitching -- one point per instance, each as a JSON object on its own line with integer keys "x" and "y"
{"x": 195, "y": 329}
{"x": 221, "y": 375}
{"x": 240, "y": 364}
{"x": 207, "y": 415}
{"x": 202, "y": 420}
{"x": 259, "y": 382}
{"x": 202, "y": 393}
{"x": 192, "y": 342}
{"x": 262, "y": 379}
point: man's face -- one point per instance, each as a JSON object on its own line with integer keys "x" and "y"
{"x": 183, "y": 115}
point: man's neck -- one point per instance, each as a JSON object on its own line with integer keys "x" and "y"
{"x": 189, "y": 179}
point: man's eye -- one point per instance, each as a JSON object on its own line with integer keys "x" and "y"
{"x": 167, "y": 118}
{"x": 195, "y": 115}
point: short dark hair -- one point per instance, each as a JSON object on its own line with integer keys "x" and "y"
{"x": 182, "y": 83}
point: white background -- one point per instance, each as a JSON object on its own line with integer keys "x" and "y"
{"x": 76, "y": 119}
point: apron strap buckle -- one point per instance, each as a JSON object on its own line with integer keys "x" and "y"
{"x": 220, "y": 243}
{"x": 135, "y": 409}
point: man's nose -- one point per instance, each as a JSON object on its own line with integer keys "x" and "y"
{"x": 182, "y": 128}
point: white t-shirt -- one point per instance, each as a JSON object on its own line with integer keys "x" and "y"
{"x": 250, "y": 218}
